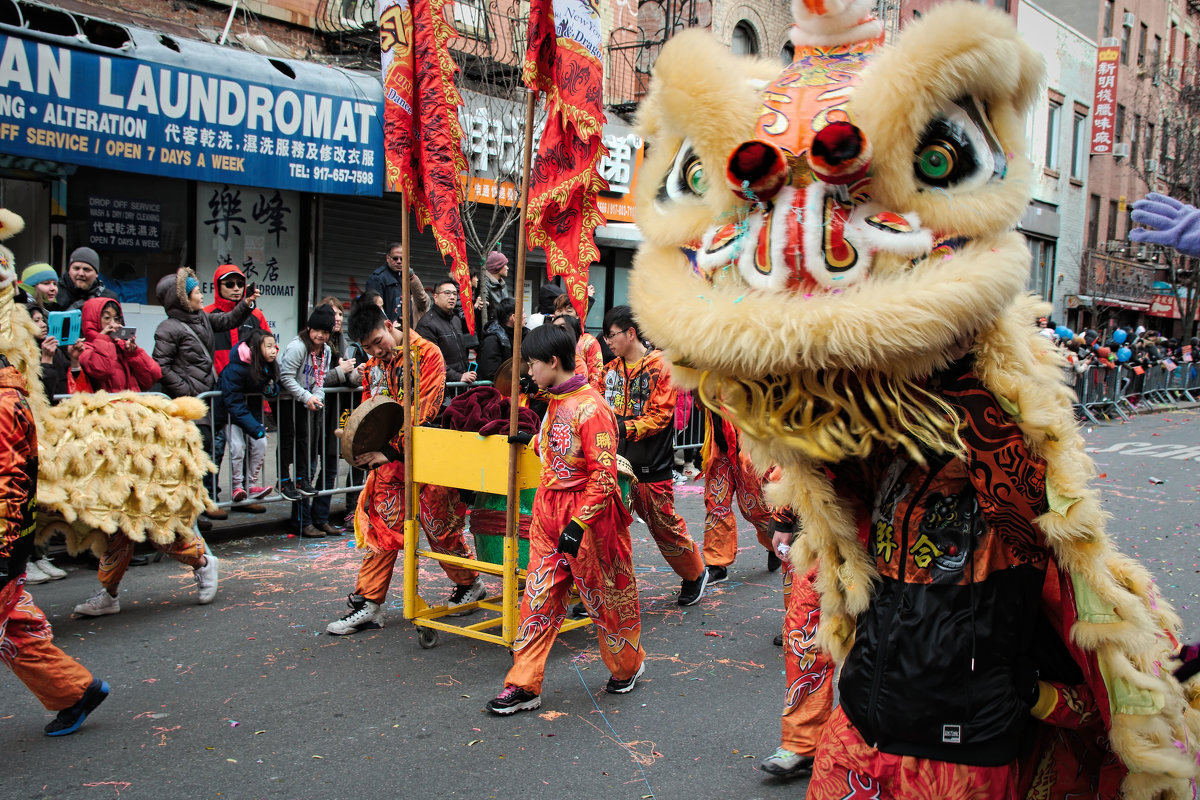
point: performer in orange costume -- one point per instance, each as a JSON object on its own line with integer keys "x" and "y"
{"x": 808, "y": 671}
{"x": 726, "y": 477}
{"x": 637, "y": 384}
{"x": 27, "y": 647}
{"x": 379, "y": 517}
{"x": 580, "y": 531}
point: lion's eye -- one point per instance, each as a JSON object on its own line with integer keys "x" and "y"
{"x": 958, "y": 148}
{"x": 686, "y": 180}
{"x": 694, "y": 176}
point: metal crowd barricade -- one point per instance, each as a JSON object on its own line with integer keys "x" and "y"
{"x": 325, "y": 465}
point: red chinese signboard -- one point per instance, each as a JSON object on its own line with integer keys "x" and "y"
{"x": 1104, "y": 104}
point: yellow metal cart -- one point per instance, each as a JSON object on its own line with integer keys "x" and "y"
{"x": 464, "y": 460}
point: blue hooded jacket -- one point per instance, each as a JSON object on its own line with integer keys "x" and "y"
{"x": 235, "y": 382}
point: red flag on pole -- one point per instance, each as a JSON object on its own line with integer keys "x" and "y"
{"x": 564, "y": 61}
{"x": 421, "y": 131}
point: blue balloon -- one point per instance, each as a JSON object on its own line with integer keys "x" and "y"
{"x": 1124, "y": 354}
{"x": 1120, "y": 335}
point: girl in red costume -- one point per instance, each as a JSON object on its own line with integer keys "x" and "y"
{"x": 580, "y": 531}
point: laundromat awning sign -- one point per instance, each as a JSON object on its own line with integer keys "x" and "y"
{"x": 135, "y": 114}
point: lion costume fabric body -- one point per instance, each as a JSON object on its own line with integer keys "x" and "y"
{"x": 107, "y": 462}
{"x": 821, "y": 244}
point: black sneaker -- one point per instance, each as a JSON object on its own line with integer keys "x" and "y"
{"x": 578, "y": 611}
{"x": 690, "y": 592}
{"x": 306, "y": 488}
{"x": 615, "y": 686}
{"x": 463, "y": 595}
{"x": 69, "y": 719}
{"x": 778, "y": 640}
{"x": 718, "y": 574}
{"x": 288, "y": 490}
{"x": 512, "y": 700}
{"x": 773, "y": 562}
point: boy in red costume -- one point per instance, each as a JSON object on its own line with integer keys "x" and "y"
{"x": 379, "y": 517}
{"x": 580, "y": 531}
{"x": 58, "y": 681}
{"x": 727, "y": 476}
{"x": 637, "y": 384}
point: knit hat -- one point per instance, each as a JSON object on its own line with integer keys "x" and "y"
{"x": 37, "y": 272}
{"x": 87, "y": 255}
{"x": 191, "y": 284}
{"x": 495, "y": 262}
{"x": 322, "y": 318}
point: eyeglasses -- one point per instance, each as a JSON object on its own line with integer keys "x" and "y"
{"x": 395, "y": 258}
{"x": 613, "y": 334}
{"x": 448, "y": 291}
{"x": 234, "y": 283}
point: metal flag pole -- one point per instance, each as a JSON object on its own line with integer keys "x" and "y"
{"x": 406, "y": 382}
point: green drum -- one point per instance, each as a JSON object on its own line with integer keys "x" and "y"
{"x": 488, "y": 520}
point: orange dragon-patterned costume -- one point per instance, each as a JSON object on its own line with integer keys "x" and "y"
{"x": 578, "y": 447}
{"x": 379, "y": 517}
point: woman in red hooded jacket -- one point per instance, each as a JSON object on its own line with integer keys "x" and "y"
{"x": 109, "y": 363}
{"x": 229, "y": 287}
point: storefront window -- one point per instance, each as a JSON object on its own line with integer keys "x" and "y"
{"x": 137, "y": 223}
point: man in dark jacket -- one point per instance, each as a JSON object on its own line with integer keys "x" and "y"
{"x": 386, "y": 281}
{"x": 497, "y": 344}
{"x": 82, "y": 281}
{"x": 444, "y": 327}
{"x": 183, "y": 348}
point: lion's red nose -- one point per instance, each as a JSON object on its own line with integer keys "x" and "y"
{"x": 756, "y": 170}
{"x": 839, "y": 153}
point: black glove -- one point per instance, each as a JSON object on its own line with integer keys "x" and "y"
{"x": 529, "y": 385}
{"x": 1189, "y": 658}
{"x": 520, "y": 437}
{"x": 570, "y": 539}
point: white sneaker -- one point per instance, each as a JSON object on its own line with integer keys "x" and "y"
{"x": 466, "y": 594}
{"x": 34, "y": 574}
{"x": 206, "y": 580}
{"x": 46, "y": 566}
{"x": 364, "y": 615}
{"x": 99, "y": 604}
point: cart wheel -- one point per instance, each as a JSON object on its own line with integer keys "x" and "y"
{"x": 427, "y": 638}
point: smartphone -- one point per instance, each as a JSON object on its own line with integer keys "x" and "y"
{"x": 251, "y": 288}
{"x": 125, "y": 333}
{"x": 64, "y": 326}
{"x": 473, "y": 367}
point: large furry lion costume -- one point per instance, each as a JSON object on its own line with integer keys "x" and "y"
{"x": 106, "y": 462}
{"x": 821, "y": 240}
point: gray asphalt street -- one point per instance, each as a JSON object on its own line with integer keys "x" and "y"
{"x": 248, "y": 698}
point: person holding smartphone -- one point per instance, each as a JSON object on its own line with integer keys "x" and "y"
{"x": 111, "y": 360}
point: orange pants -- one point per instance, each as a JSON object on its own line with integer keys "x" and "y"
{"x": 724, "y": 479}
{"x": 848, "y": 768}
{"x": 807, "y": 670}
{"x": 27, "y": 648}
{"x": 603, "y": 573}
{"x": 187, "y": 550}
{"x": 655, "y": 503}
{"x": 442, "y": 514}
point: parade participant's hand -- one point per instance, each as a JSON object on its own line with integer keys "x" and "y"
{"x": 49, "y": 346}
{"x": 520, "y": 437}
{"x": 312, "y": 404}
{"x": 371, "y": 460}
{"x": 570, "y": 539}
{"x": 1175, "y": 224}
{"x": 781, "y": 539}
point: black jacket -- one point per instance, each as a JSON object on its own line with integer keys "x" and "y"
{"x": 495, "y": 349}
{"x": 446, "y": 330}
{"x": 183, "y": 342}
{"x": 386, "y": 281}
{"x": 70, "y": 298}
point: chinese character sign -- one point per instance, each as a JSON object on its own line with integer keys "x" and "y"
{"x": 1104, "y": 103}
{"x": 117, "y": 223}
{"x": 259, "y": 230}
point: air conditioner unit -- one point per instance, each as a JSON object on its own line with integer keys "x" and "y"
{"x": 1128, "y": 19}
{"x": 1151, "y": 165}
{"x": 1121, "y": 150}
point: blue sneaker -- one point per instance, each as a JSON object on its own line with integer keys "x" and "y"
{"x": 69, "y": 719}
